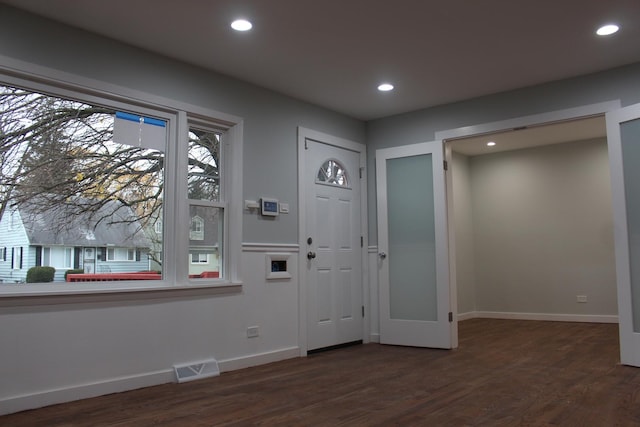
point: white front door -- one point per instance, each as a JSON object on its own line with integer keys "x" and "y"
{"x": 412, "y": 246}
{"x": 331, "y": 247}
{"x": 623, "y": 138}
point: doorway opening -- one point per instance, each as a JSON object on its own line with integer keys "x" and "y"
{"x": 532, "y": 223}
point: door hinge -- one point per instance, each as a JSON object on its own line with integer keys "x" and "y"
{"x": 363, "y": 311}
{"x": 446, "y": 165}
{"x": 450, "y": 317}
{"x": 361, "y": 170}
{"x": 362, "y": 241}
{"x": 306, "y": 144}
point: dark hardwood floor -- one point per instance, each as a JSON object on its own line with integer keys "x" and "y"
{"x": 505, "y": 373}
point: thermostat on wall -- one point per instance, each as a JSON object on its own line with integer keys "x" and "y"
{"x": 269, "y": 207}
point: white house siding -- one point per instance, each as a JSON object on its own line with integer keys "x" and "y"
{"x": 13, "y": 238}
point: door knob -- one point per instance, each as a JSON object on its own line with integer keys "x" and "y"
{"x": 311, "y": 255}
{"x": 382, "y": 255}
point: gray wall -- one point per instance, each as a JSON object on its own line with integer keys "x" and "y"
{"x": 270, "y": 119}
{"x": 542, "y": 230}
{"x": 420, "y": 126}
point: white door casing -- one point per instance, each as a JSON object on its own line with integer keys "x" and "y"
{"x": 623, "y": 138}
{"x": 331, "y": 241}
{"x": 415, "y": 310}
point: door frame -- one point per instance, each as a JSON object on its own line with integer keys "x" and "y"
{"x": 303, "y": 135}
{"x": 574, "y": 113}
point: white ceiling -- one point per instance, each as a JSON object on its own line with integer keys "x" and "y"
{"x": 334, "y": 53}
{"x": 532, "y": 136}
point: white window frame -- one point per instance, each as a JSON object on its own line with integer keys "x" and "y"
{"x": 3, "y": 253}
{"x": 117, "y": 252}
{"x": 179, "y": 116}
{"x": 67, "y": 251}
{"x": 17, "y": 258}
{"x": 207, "y": 259}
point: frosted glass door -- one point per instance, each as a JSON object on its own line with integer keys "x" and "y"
{"x": 412, "y": 257}
{"x": 412, "y": 243}
{"x": 623, "y": 136}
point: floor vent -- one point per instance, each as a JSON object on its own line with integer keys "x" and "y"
{"x": 197, "y": 370}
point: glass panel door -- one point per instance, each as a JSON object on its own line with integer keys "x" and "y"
{"x": 412, "y": 258}
{"x": 623, "y": 138}
{"x": 412, "y": 243}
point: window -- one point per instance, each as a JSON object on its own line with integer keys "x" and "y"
{"x": 16, "y": 258}
{"x": 199, "y": 258}
{"x": 121, "y": 254}
{"x": 57, "y": 257}
{"x": 333, "y": 173}
{"x": 99, "y": 174}
{"x": 3, "y": 254}
{"x": 206, "y": 201}
{"x": 197, "y": 228}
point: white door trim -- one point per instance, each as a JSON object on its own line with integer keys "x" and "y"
{"x": 532, "y": 120}
{"x": 303, "y": 135}
{"x": 583, "y": 111}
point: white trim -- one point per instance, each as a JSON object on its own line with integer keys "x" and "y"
{"x": 38, "y": 75}
{"x": 270, "y": 247}
{"x": 76, "y": 392}
{"x": 126, "y": 383}
{"x": 552, "y": 317}
{"x": 258, "y": 359}
{"x": 374, "y": 337}
{"x": 361, "y": 149}
{"x": 491, "y": 127}
{"x": 466, "y": 316}
{"x": 533, "y": 120}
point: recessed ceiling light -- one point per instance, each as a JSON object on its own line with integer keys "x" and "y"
{"x": 607, "y": 30}
{"x": 241, "y": 25}
{"x": 491, "y": 143}
{"x": 385, "y": 87}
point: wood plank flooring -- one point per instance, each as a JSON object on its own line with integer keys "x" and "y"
{"x": 505, "y": 373}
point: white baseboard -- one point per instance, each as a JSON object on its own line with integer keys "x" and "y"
{"x": 258, "y": 359}
{"x": 587, "y": 318}
{"x": 116, "y": 385}
{"x": 84, "y": 391}
{"x": 466, "y": 316}
{"x": 374, "y": 338}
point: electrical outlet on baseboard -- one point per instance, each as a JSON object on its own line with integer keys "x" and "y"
{"x": 581, "y": 298}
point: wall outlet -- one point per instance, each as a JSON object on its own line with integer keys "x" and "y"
{"x": 253, "y": 331}
{"x": 581, "y": 298}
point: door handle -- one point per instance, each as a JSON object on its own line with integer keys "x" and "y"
{"x": 382, "y": 255}
{"x": 311, "y": 255}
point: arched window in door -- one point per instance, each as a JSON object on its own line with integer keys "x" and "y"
{"x": 332, "y": 172}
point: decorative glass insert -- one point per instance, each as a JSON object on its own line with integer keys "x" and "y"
{"x": 333, "y": 173}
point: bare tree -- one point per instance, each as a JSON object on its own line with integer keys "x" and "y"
{"x": 59, "y": 154}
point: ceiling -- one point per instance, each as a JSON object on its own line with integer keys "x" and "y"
{"x": 334, "y": 53}
{"x": 532, "y": 136}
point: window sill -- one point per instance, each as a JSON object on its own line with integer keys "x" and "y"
{"x": 45, "y": 294}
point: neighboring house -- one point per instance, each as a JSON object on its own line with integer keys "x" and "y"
{"x": 204, "y": 255}
{"x": 108, "y": 241}
{"x": 203, "y": 240}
